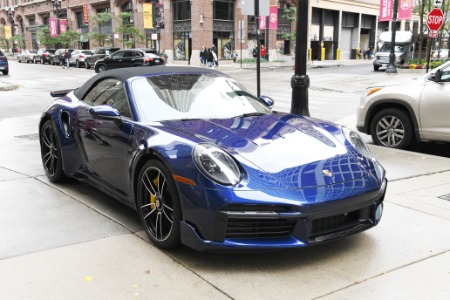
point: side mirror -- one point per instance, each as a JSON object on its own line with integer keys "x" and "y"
{"x": 267, "y": 101}
{"x": 104, "y": 111}
{"x": 438, "y": 75}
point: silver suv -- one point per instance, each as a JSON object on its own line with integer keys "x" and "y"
{"x": 415, "y": 110}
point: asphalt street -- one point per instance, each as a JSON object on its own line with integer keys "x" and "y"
{"x": 70, "y": 241}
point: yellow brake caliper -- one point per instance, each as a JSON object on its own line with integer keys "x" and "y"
{"x": 153, "y": 198}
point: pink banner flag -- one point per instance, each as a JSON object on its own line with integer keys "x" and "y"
{"x": 53, "y": 26}
{"x": 385, "y": 10}
{"x": 405, "y": 9}
{"x": 63, "y": 25}
{"x": 262, "y": 22}
{"x": 273, "y": 17}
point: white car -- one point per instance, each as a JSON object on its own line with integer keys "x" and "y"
{"x": 26, "y": 56}
{"x": 414, "y": 110}
{"x": 78, "y": 57}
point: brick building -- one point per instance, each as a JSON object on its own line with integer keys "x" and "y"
{"x": 336, "y": 29}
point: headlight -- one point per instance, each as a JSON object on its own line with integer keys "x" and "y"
{"x": 217, "y": 164}
{"x": 357, "y": 142}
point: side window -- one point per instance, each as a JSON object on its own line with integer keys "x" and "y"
{"x": 117, "y": 55}
{"x": 109, "y": 91}
{"x": 445, "y": 75}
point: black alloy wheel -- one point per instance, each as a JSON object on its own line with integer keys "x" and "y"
{"x": 51, "y": 153}
{"x": 158, "y": 205}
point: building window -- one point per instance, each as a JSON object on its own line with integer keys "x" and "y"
{"x": 31, "y": 21}
{"x": 181, "y": 10}
{"x": 224, "y": 10}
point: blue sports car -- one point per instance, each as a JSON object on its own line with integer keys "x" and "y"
{"x": 207, "y": 164}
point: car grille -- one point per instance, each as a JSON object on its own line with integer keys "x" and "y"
{"x": 334, "y": 223}
{"x": 238, "y": 228}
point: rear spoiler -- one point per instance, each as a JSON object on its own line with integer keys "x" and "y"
{"x": 60, "y": 93}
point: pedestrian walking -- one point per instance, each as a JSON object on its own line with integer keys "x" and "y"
{"x": 214, "y": 51}
{"x": 67, "y": 58}
{"x": 203, "y": 53}
{"x": 210, "y": 58}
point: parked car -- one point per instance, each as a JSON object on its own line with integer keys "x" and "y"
{"x": 26, "y": 56}
{"x": 58, "y": 57}
{"x": 207, "y": 164}
{"x": 44, "y": 56}
{"x": 417, "y": 109}
{"x": 4, "y": 66}
{"x": 128, "y": 58}
{"x": 153, "y": 57}
{"x": 78, "y": 57}
{"x": 98, "y": 53}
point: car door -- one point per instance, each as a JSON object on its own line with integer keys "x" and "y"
{"x": 115, "y": 60}
{"x": 104, "y": 142}
{"x": 434, "y": 108}
{"x": 129, "y": 59}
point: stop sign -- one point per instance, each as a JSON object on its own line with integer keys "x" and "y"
{"x": 435, "y": 19}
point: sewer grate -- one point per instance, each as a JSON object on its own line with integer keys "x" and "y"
{"x": 445, "y": 197}
{"x": 32, "y": 137}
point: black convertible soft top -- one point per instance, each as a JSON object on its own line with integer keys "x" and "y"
{"x": 126, "y": 73}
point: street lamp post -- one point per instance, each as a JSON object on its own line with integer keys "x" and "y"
{"x": 391, "y": 68}
{"x": 10, "y": 14}
{"x": 300, "y": 81}
{"x": 57, "y": 11}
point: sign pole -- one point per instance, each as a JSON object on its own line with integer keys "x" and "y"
{"x": 258, "y": 47}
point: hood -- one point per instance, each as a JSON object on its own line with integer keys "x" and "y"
{"x": 283, "y": 150}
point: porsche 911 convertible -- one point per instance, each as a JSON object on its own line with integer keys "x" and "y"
{"x": 207, "y": 164}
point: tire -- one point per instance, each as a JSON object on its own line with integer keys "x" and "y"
{"x": 376, "y": 68}
{"x": 51, "y": 153}
{"x": 392, "y": 128}
{"x": 86, "y": 65}
{"x": 158, "y": 205}
{"x": 100, "y": 68}
{"x": 18, "y": 60}
{"x": 77, "y": 64}
{"x": 5, "y": 72}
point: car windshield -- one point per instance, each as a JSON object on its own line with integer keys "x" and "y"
{"x": 387, "y": 48}
{"x": 193, "y": 96}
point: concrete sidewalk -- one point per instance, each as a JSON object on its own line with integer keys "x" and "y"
{"x": 70, "y": 241}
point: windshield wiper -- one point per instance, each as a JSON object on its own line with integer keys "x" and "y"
{"x": 253, "y": 114}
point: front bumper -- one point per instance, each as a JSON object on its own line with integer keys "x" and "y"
{"x": 255, "y": 227}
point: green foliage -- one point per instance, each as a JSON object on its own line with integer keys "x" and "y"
{"x": 19, "y": 40}
{"x": 129, "y": 32}
{"x": 69, "y": 38}
{"x": 250, "y": 60}
{"x": 43, "y": 35}
{"x": 290, "y": 14}
{"x": 100, "y": 19}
